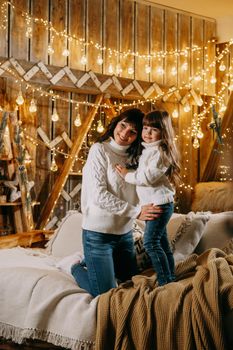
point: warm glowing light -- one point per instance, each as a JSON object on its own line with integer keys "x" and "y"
{"x": 100, "y": 127}
{"x": 20, "y": 99}
{"x": 33, "y": 106}
{"x": 55, "y": 116}
{"x": 175, "y": 114}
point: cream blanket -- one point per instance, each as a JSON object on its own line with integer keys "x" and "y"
{"x": 37, "y": 301}
{"x": 187, "y": 314}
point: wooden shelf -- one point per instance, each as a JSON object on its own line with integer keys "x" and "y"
{"x": 10, "y": 204}
{"x": 24, "y": 239}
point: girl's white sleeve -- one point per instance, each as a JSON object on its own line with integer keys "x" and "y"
{"x": 147, "y": 175}
{"x": 101, "y": 196}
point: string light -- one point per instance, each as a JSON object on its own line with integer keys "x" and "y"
{"x": 53, "y": 166}
{"x": 55, "y": 116}
{"x": 20, "y": 99}
{"x": 77, "y": 121}
{"x": 175, "y": 114}
{"x": 33, "y": 106}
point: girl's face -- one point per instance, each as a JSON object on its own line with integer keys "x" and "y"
{"x": 150, "y": 134}
{"x": 124, "y": 133}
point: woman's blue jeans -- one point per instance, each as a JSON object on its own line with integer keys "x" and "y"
{"x": 107, "y": 257}
{"x": 157, "y": 245}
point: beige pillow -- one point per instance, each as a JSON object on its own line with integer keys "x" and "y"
{"x": 67, "y": 238}
{"x": 213, "y": 196}
{"x": 218, "y": 232}
{"x": 189, "y": 234}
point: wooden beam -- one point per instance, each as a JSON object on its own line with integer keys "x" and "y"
{"x": 213, "y": 162}
{"x": 24, "y": 239}
{"x": 62, "y": 177}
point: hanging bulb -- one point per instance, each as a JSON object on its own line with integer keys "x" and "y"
{"x": 118, "y": 69}
{"x": 185, "y": 66}
{"x": 27, "y": 158}
{"x": 83, "y": 60}
{"x": 173, "y": 71}
{"x": 29, "y": 32}
{"x": 100, "y": 127}
{"x": 130, "y": 70}
{"x": 55, "y": 116}
{"x": 197, "y": 78}
{"x": 147, "y": 69}
{"x": 20, "y": 99}
{"x": 53, "y": 166}
{"x": 213, "y": 79}
{"x": 50, "y": 50}
{"x": 222, "y": 67}
{"x": 200, "y": 134}
{"x": 99, "y": 60}
{"x": 222, "y": 108}
{"x": 110, "y": 69}
{"x": 230, "y": 87}
{"x": 77, "y": 121}
{"x": 160, "y": 70}
{"x": 187, "y": 108}
{"x": 33, "y": 106}
{"x": 65, "y": 52}
{"x": 196, "y": 143}
{"x": 175, "y": 114}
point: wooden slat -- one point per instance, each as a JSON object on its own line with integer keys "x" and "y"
{"x": 170, "y": 45}
{"x": 197, "y": 56}
{"x": 209, "y": 33}
{"x": 18, "y": 40}
{"x": 94, "y": 25}
{"x": 60, "y": 181}
{"x": 24, "y": 239}
{"x": 111, "y": 33}
{"x": 77, "y": 28}
{"x": 157, "y": 44}
{"x": 212, "y": 164}
{"x": 142, "y": 41}
{"x": 39, "y": 41}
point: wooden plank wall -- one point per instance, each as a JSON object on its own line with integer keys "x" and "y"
{"x": 122, "y": 25}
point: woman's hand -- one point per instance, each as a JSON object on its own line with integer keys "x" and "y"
{"x": 122, "y": 171}
{"x": 149, "y": 212}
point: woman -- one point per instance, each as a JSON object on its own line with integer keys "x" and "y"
{"x": 109, "y": 207}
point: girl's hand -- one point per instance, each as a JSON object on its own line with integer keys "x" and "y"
{"x": 122, "y": 171}
{"x": 149, "y": 212}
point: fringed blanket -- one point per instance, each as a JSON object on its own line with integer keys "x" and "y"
{"x": 187, "y": 314}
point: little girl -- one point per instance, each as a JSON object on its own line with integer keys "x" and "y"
{"x": 155, "y": 177}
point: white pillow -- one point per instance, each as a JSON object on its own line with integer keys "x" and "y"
{"x": 218, "y": 232}
{"x": 67, "y": 238}
{"x": 189, "y": 234}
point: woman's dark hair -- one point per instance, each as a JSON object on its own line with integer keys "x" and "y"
{"x": 134, "y": 117}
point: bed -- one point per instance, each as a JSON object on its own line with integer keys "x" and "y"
{"x": 40, "y": 301}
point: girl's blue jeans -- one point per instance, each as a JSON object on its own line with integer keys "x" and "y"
{"x": 157, "y": 245}
{"x": 107, "y": 257}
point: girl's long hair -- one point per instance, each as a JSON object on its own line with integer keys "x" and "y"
{"x": 133, "y": 116}
{"x": 168, "y": 149}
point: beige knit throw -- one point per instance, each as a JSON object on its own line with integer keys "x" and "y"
{"x": 187, "y": 314}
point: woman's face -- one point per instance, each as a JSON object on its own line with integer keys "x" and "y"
{"x": 124, "y": 133}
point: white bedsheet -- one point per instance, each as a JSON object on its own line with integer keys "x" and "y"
{"x": 39, "y": 301}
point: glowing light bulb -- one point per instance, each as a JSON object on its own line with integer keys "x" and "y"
{"x": 118, "y": 69}
{"x": 100, "y": 127}
{"x": 50, "y": 50}
{"x": 83, "y": 60}
{"x": 33, "y": 106}
{"x": 130, "y": 70}
{"x": 55, "y": 116}
{"x": 65, "y": 52}
{"x": 185, "y": 66}
{"x": 200, "y": 134}
{"x": 77, "y": 121}
{"x": 213, "y": 80}
{"x": 53, "y": 166}
{"x": 99, "y": 60}
{"x": 110, "y": 69}
{"x": 230, "y": 87}
{"x": 187, "y": 108}
{"x": 175, "y": 114}
{"x": 222, "y": 67}
{"x": 222, "y": 108}
{"x": 20, "y": 99}
{"x": 147, "y": 69}
{"x": 160, "y": 70}
{"x": 197, "y": 78}
{"x": 196, "y": 143}
{"x": 173, "y": 71}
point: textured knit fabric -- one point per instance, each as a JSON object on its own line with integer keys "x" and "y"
{"x": 108, "y": 203}
{"x": 152, "y": 183}
{"x": 183, "y": 315}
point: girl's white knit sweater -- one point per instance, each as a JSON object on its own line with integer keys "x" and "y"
{"x": 152, "y": 183}
{"x": 108, "y": 203}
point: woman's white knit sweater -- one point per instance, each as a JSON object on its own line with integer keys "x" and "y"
{"x": 152, "y": 183}
{"x": 108, "y": 203}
